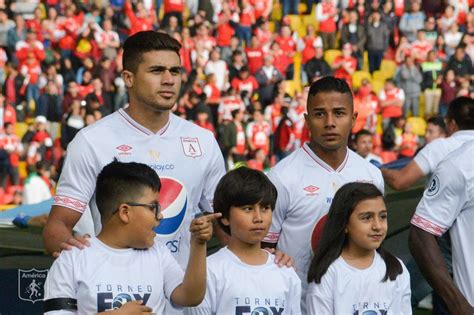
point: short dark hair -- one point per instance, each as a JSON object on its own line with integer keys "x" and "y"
{"x": 330, "y": 84}
{"x": 360, "y": 133}
{"x": 142, "y": 42}
{"x": 334, "y": 237}
{"x": 240, "y": 187}
{"x": 120, "y": 182}
{"x": 437, "y": 121}
{"x": 461, "y": 110}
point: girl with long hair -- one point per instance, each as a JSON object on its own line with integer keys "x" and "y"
{"x": 351, "y": 273}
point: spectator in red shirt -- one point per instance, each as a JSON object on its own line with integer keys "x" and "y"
{"x": 8, "y": 113}
{"x": 391, "y": 102}
{"x": 345, "y": 65}
{"x": 247, "y": 19}
{"x": 326, "y": 14}
{"x": 202, "y": 120}
{"x": 420, "y": 47}
{"x": 244, "y": 82}
{"x": 29, "y": 47}
{"x": 288, "y": 46}
{"x": 254, "y": 55}
{"x": 141, "y": 20}
{"x": 173, "y": 8}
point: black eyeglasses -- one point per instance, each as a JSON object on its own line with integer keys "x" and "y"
{"x": 155, "y": 207}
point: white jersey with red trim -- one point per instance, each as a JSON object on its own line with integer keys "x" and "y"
{"x": 434, "y": 152}
{"x": 306, "y": 186}
{"x": 186, "y": 157}
{"x": 448, "y": 204}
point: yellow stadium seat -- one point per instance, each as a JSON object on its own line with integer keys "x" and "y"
{"x": 276, "y": 12}
{"x": 365, "y": 61}
{"x": 292, "y": 87}
{"x": 388, "y": 67}
{"x": 22, "y": 169}
{"x": 20, "y": 129}
{"x": 357, "y": 78}
{"x": 379, "y": 75}
{"x": 271, "y": 25}
{"x": 310, "y": 20}
{"x": 295, "y": 22}
{"x": 377, "y": 86}
{"x": 418, "y": 124}
{"x": 330, "y": 55}
{"x": 302, "y": 8}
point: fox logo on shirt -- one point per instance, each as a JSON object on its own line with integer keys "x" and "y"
{"x": 174, "y": 202}
{"x": 107, "y": 301}
{"x": 257, "y": 306}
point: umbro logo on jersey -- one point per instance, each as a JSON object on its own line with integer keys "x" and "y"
{"x": 124, "y": 149}
{"x": 311, "y": 190}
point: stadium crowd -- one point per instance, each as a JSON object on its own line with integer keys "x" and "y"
{"x": 246, "y": 65}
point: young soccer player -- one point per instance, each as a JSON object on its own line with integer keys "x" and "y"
{"x": 125, "y": 269}
{"x": 242, "y": 277}
{"x": 351, "y": 273}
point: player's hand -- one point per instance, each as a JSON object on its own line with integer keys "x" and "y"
{"x": 134, "y": 308}
{"x": 201, "y": 228}
{"x": 281, "y": 259}
{"x": 79, "y": 241}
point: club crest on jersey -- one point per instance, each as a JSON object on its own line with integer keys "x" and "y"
{"x": 433, "y": 188}
{"x": 124, "y": 149}
{"x": 311, "y": 190}
{"x": 31, "y": 284}
{"x": 174, "y": 201}
{"x": 191, "y": 147}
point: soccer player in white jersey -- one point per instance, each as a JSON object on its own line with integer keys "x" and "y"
{"x": 242, "y": 277}
{"x": 351, "y": 273}
{"x": 433, "y": 153}
{"x": 186, "y": 157}
{"x": 448, "y": 204}
{"x": 308, "y": 179}
{"x": 126, "y": 270}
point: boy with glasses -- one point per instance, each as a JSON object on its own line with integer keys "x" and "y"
{"x": 125, "y": 270}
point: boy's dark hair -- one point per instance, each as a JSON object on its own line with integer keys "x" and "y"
{"x": 142, "y": 42}
{"x": 360, "y": 133}
{"x": 120, "y": 183}
{"x": 334, "y": 238}
{"x": 437, "y": 121}
{"x": 330, "y": 84}
{"x": 461, "y": 110}
{"x": 240, "y": 187}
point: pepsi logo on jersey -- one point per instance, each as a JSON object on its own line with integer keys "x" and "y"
{"x": 174, "y": 201}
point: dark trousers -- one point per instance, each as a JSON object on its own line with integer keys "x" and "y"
{"x": 375, "y": 59}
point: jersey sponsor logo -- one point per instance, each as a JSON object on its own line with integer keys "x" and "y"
{"x": 317, "y": 232}
{"x": 373, "y": 308}
{"x": 191, "y": 147}
{"x": 162, "y": 167}
{"x": 259, "y": 306}
{"x": 433, "y": 188}
{"x": 174, "y": 201}
{"x": 31, "y": 284}
{"x": 108, "y": 299}
{"x": 124, "y": 149}
{"x": 311, "y": 190}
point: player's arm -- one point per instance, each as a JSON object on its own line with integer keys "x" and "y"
{"x": 403, "y": 178}
{"x": 57, "y": 234}
{"x": 427, "y": 254}
{"x": 193, "y": 288}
